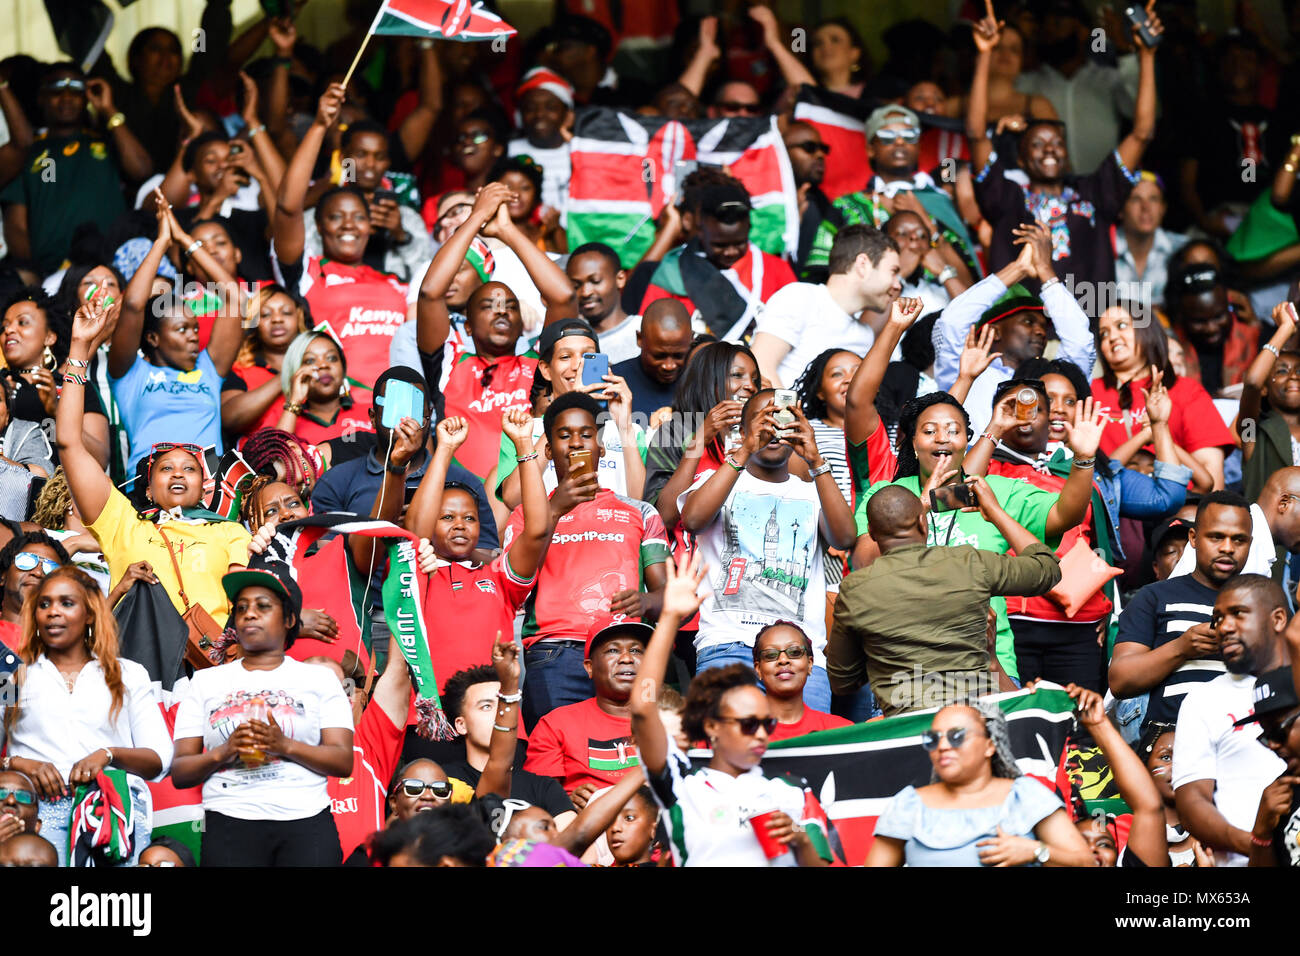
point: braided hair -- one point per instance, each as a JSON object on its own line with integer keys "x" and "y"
{"x": 907, "y": 418}
{"x": 52, "y": 504}
{"x": 266, "y": 446}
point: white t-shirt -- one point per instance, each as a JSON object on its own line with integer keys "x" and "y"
{"x": 557, "y": 169}
{"x": 619, "y": 343}
{"x": 303, "y": 699}
{"x": 1208, "y": 747}
{"x": 765, "y": 562}
{"x": 805, "y": 316}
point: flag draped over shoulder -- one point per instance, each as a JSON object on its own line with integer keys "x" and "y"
{"x": 623, "y": 176}
{"x": 841, "y": 121}
{"x": 855, "y": 771}
{"x": 444, "y": 19}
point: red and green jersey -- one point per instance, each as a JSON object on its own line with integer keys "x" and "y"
{"x": 601, "y": 547}
{"x": 580, "y": 743}
{"x": 479, "y": 389}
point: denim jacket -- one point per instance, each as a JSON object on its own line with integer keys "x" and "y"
{"x": 1131, "y": 494}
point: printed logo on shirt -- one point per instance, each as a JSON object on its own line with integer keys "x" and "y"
{"x": 1291, "y": 838}
{"x": 363, "y": 321}
{"x": 98, "y": 150}
{"x": 333, "y": 278}
{"x": 580, "y": 537}
{"x": 237, "y": 708}
{"x": 487, "y": 587}
{"x": 619, "y": 754}
{"x": 349, "y": 805}
{"x": 490, "y": 400}
{"x": 190, "y": 377}
{"x": 71, "y": 148}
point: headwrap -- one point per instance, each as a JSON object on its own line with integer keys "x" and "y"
{"x": 540, "y": 78}
{"x": 130, "y": 255}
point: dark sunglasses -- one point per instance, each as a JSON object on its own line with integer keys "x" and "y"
{"x": 486, "y": 378}
{"x": 906, "y": 135}
{"x": 1277, "y": 736}
{"x": 478, "y": 139}
{"x": 731, "y": 106}
{"x": 67, "y": 83}
{"x": 749, "y": 725}
{"x": 414, "y": 788}
{"x": 956, "y": 737}
{"x": 811, "y": 148}
{"x": 25, "y": 797}
{"x": 26, "y": 561}
{"x": 794, "y": 652}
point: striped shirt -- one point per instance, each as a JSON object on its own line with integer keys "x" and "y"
{"x": 1160, "y": 613}
{"x": 830, "y": 442}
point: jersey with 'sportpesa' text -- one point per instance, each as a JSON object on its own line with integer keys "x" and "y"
{"x": 601, "y": 547}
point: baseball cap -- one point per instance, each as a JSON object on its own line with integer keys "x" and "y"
{"x": 1016, "y": 299}
{"x": 1274, "y": 694}
{"x": 1174, "y": 526}
{"x": 607, "y": 629}
{"x": 558, "y": 330}
{"x": 267, "y": 573}
{"x": 893, "y": 113}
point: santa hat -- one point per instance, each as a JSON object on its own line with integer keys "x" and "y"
{"x": 540, "y": 78}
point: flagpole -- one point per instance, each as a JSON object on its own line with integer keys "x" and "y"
{"x": 370, "y": 32}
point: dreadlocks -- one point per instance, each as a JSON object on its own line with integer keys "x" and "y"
{"x": 52, "y": 504}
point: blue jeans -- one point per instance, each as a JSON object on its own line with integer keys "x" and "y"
{"x": 553, "y": 676}
{"x": 858, "y": 707}
{"x": 816, "y": 693}
{"x": 56, "y": 815}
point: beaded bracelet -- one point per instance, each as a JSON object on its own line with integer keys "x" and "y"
{"x": 523, "y": 458}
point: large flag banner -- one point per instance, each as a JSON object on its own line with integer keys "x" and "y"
{"x": 841, "y": 121}
{"x": 855, "y": 771}
{"x": 626, "y": 166}
{"x": 443, "y": 19}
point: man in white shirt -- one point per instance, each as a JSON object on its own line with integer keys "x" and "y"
{"x": 598, "y": 279}
{"x": 802, "y": 319}
{"x": 546, "y": 108}
{"x": 1020, "y": 322}
{"x": 1220, "y": 768}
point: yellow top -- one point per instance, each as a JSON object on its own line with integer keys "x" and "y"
{"x": 204, "y": 552}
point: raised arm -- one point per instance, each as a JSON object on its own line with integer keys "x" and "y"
{"x": 595, "y": 818}
{"x": 283, "y": 35}
{"x": 1083, "y": 437}
{"x": 227, "y": 330}
{"x": 838, "y": 523}
{"x": 551, "y": 281}
{"x": 268, "y": 156}
{"x": 1255, "y": 381}
{"x": 177, "y": 181}
{"x": 706, "y": 51}
{"x": 505, "y": 725}
{"x": 961, "y": 314}
{"x": 422, "y": 513}
{"x": 289, "y": 230}
{"x": 408, "y": 439}
{"x": 88, "y": 483}
{"x": 861, "y": 418}
{"x": 986, "y": 33}
{"x": 702, "y": 505}
{"x": 393, "y": 689}
{"x": 130, "y": 325}
{"x": 433, "y": 320}
{"x": 526, "y": 551}
{"x": 136, "y": 164}
{"x": 1068, "y": 320}
{"x": 415, "y": 129}
{"x": 680, "y": 602}
{"x": 792, "y": 68}
{"x": 1133, "y": 145}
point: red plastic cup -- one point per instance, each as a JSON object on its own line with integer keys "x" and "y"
{"x": 771, "y": 847}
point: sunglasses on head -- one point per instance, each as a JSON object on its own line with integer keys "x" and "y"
{"x": 906, "y": 135}
{"x": 812, "y": 148}
{"x": 794, "y": 652}
{"x": 749, "y": 725}
{"x": 67, "y": 83}
{"x": 731, "y": 106}
{"x": 25, "y": 797}
{"x": 27, "y": 561}
{"x": 414, "y": 788}
{"x": 478, "y": 139}
{"x": 956, "y": 737}
{"x": 165, "y": 446}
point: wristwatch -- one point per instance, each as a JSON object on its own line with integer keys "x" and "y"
{"x": 395, "y": 469}
{"x": 1042, "y": 854}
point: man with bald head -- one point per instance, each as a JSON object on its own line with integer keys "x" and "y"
{"x": 665, "y": 342}
{"x": 808, "y": 155}
{"x": 28, "y": 849}
{"x": 1280, "y": 502}
{"x": 914, "y": 624}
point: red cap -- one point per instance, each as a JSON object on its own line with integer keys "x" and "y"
{"x": 617, "y": 625}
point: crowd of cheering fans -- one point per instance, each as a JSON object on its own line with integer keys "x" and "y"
{"x": 377, "y": 490}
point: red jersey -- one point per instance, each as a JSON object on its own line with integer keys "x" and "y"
{"x": 870, "y": 461}
{"x": 329, "y": 583}
{"x": 466, "y": 606}
{"x": 479, "y": 389}
{"x": 599, "y": 548}
{"x": 580, "y": 743}
{"x": 347, "y": 420}
{"x": 811, "y": 721}
{"x": 363, "y": 308}
{"x": 1043, "y": 608}
{"x": 359, "y": 802}
{"x": 937, "y": 146}
{"x": 1195, "y": 422}
{"x": 11, "y": 636}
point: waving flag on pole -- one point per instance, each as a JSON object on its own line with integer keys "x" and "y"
{"x": 625, "y": 170}
{"x": 440, "y": 19}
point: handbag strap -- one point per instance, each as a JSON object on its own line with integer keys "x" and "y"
{"x": 175, "y": 567}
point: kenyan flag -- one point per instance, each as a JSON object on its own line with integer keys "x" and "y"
{"x": 612, "y": 755}
{"x": 855, "y": 771}
{"x": 445, "y": 19}
{"x": 841, "y": 121}
{"x": 623, "y": 175}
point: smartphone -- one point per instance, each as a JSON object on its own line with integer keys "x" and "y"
{"x": 952, "y": 498}
{"x": 783, "y": 401}
{"x": 236, "y": 147}
{"x": 595, "y": 366}
{"x": 386, "y": 195}
{"x": 400, "y": 400}
{"x": 580, "y": 463}
{"x": 1137, "y": 15}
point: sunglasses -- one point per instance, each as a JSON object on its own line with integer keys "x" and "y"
{"x": 749, "y": 725}
{"x": 486, "y": 378}
{"x": 456, "y": 210}
{"x": 892, "y": 135}
{"x": 794, "y": 652}
{"x": 512, "y": 806}
{"x": 1278, "y": 735}
{"x": 956, "y": 737}
{"x": 812, "y": 148}
{"x": 25, "y": 797}
{"x": 731, "y": 106}
{"x": 478, "y": 139}
{"x": 439, "y": 788}
{"x": 67, "y": 83}
{"x": 26, "y": 561}
{"x": 165, "y": 446}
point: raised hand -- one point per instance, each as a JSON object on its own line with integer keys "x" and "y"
{"x": 987, "y": 30}
{"x": 800, "y": 436}
{"x": 100, "y": 95}
{"x": 1092, "y": 710}
{"x": 283, "y": 35}
{"x": 505, "y": 661}
{"x": 1038, "y": 237}
{"x": 249, "y": 111}
{"x": 1159, "y": 406}
{"x": 408, "y": 438}
{"x": 905, "y": 311}
{"x": 1153, "y": 24}
{"x": 452, "y": 433}
{"x": 976, "y": 357}
{"x": 708, "y": 36}
{"x": 193, "y": 127}
{"x": 517, "y": 425}
{"x": 680, "y": 597}
{"x": 330, "y": 105}
{"x": 489, "y": 200}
